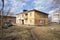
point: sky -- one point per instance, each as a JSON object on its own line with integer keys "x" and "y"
{"x": 17, "y": 6}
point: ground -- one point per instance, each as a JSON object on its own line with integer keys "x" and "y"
{"x": 46, "y": 32}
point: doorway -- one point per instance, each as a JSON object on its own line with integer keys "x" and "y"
{"x": 22, "y": 21}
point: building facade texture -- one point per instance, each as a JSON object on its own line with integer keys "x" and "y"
{"x": 11, "y": 19}
{"x": 32, "y": 17}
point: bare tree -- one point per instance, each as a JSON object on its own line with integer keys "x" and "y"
{"x": 0, "y": 11}
{"x": 2, "y": 15}
{"x": 8, "y": 12}
{"x": 2, "y": 19}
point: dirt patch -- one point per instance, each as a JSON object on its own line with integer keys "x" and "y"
{"x": 50, "y": 32}
{"x": 45, "y": 33}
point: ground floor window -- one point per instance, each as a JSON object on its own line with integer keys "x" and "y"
{"x": 41, "y": 21}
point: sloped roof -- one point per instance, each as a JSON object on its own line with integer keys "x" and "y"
{"x": 32, "y": 10}
{"x": 7, "y": 16}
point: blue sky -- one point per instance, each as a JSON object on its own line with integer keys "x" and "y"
{"x": 42, "y": 5}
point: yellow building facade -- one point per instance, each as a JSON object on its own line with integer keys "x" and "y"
{"x": 32, "y": 17}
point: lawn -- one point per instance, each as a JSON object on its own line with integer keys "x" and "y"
{"x": 47, "y": 32}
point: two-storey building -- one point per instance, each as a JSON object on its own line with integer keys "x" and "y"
{"x": 32, "y": 17}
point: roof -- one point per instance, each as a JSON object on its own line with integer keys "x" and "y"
{"x": 8, "y": 16}
{"x": 32, "y": 10}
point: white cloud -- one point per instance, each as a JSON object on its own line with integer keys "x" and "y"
{"x": 0, "y": 1}
{"x": 5, "y": 2}
{"x": 0, "y": 4}
{"x": 41, "y": 3}
{"x": 57, "y": 9}
{"x": 26, "y": 0}
{"x": 45, "y": 4}
{"x": 15, "y": 4}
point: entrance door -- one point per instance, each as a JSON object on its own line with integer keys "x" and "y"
{"x": 22, "y": 21}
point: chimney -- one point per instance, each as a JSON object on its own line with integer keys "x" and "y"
{"x": 24, "y": 10}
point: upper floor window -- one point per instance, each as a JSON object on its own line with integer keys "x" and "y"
{"x": 26, "y": 14}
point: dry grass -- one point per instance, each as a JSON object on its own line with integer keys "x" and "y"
{"x": 17, "y": 33}
{"x": 46, "y": 32}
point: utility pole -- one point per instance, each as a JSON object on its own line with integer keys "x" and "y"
{"x": 2, "y": 19}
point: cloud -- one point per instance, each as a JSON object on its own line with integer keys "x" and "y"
{"x": 42, "y": 5}
{"x": 15, "y": 5}
{"x": 0, "y": 4}
{"x": 46, "y": 5}
{"x": 26, "y": 0}
{"x": 57, "y": 9}
{"x": 58, "y": 1}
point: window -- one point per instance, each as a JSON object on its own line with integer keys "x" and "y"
{"x": 26, "y": 14}
{"x": 26, "y": 19}
{"x": 41, "y": 21}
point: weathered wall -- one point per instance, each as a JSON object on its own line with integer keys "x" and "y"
{"x": 41, "y": 17}
{"x": 8, "y": 18}
{"x": 32, "y": 18}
